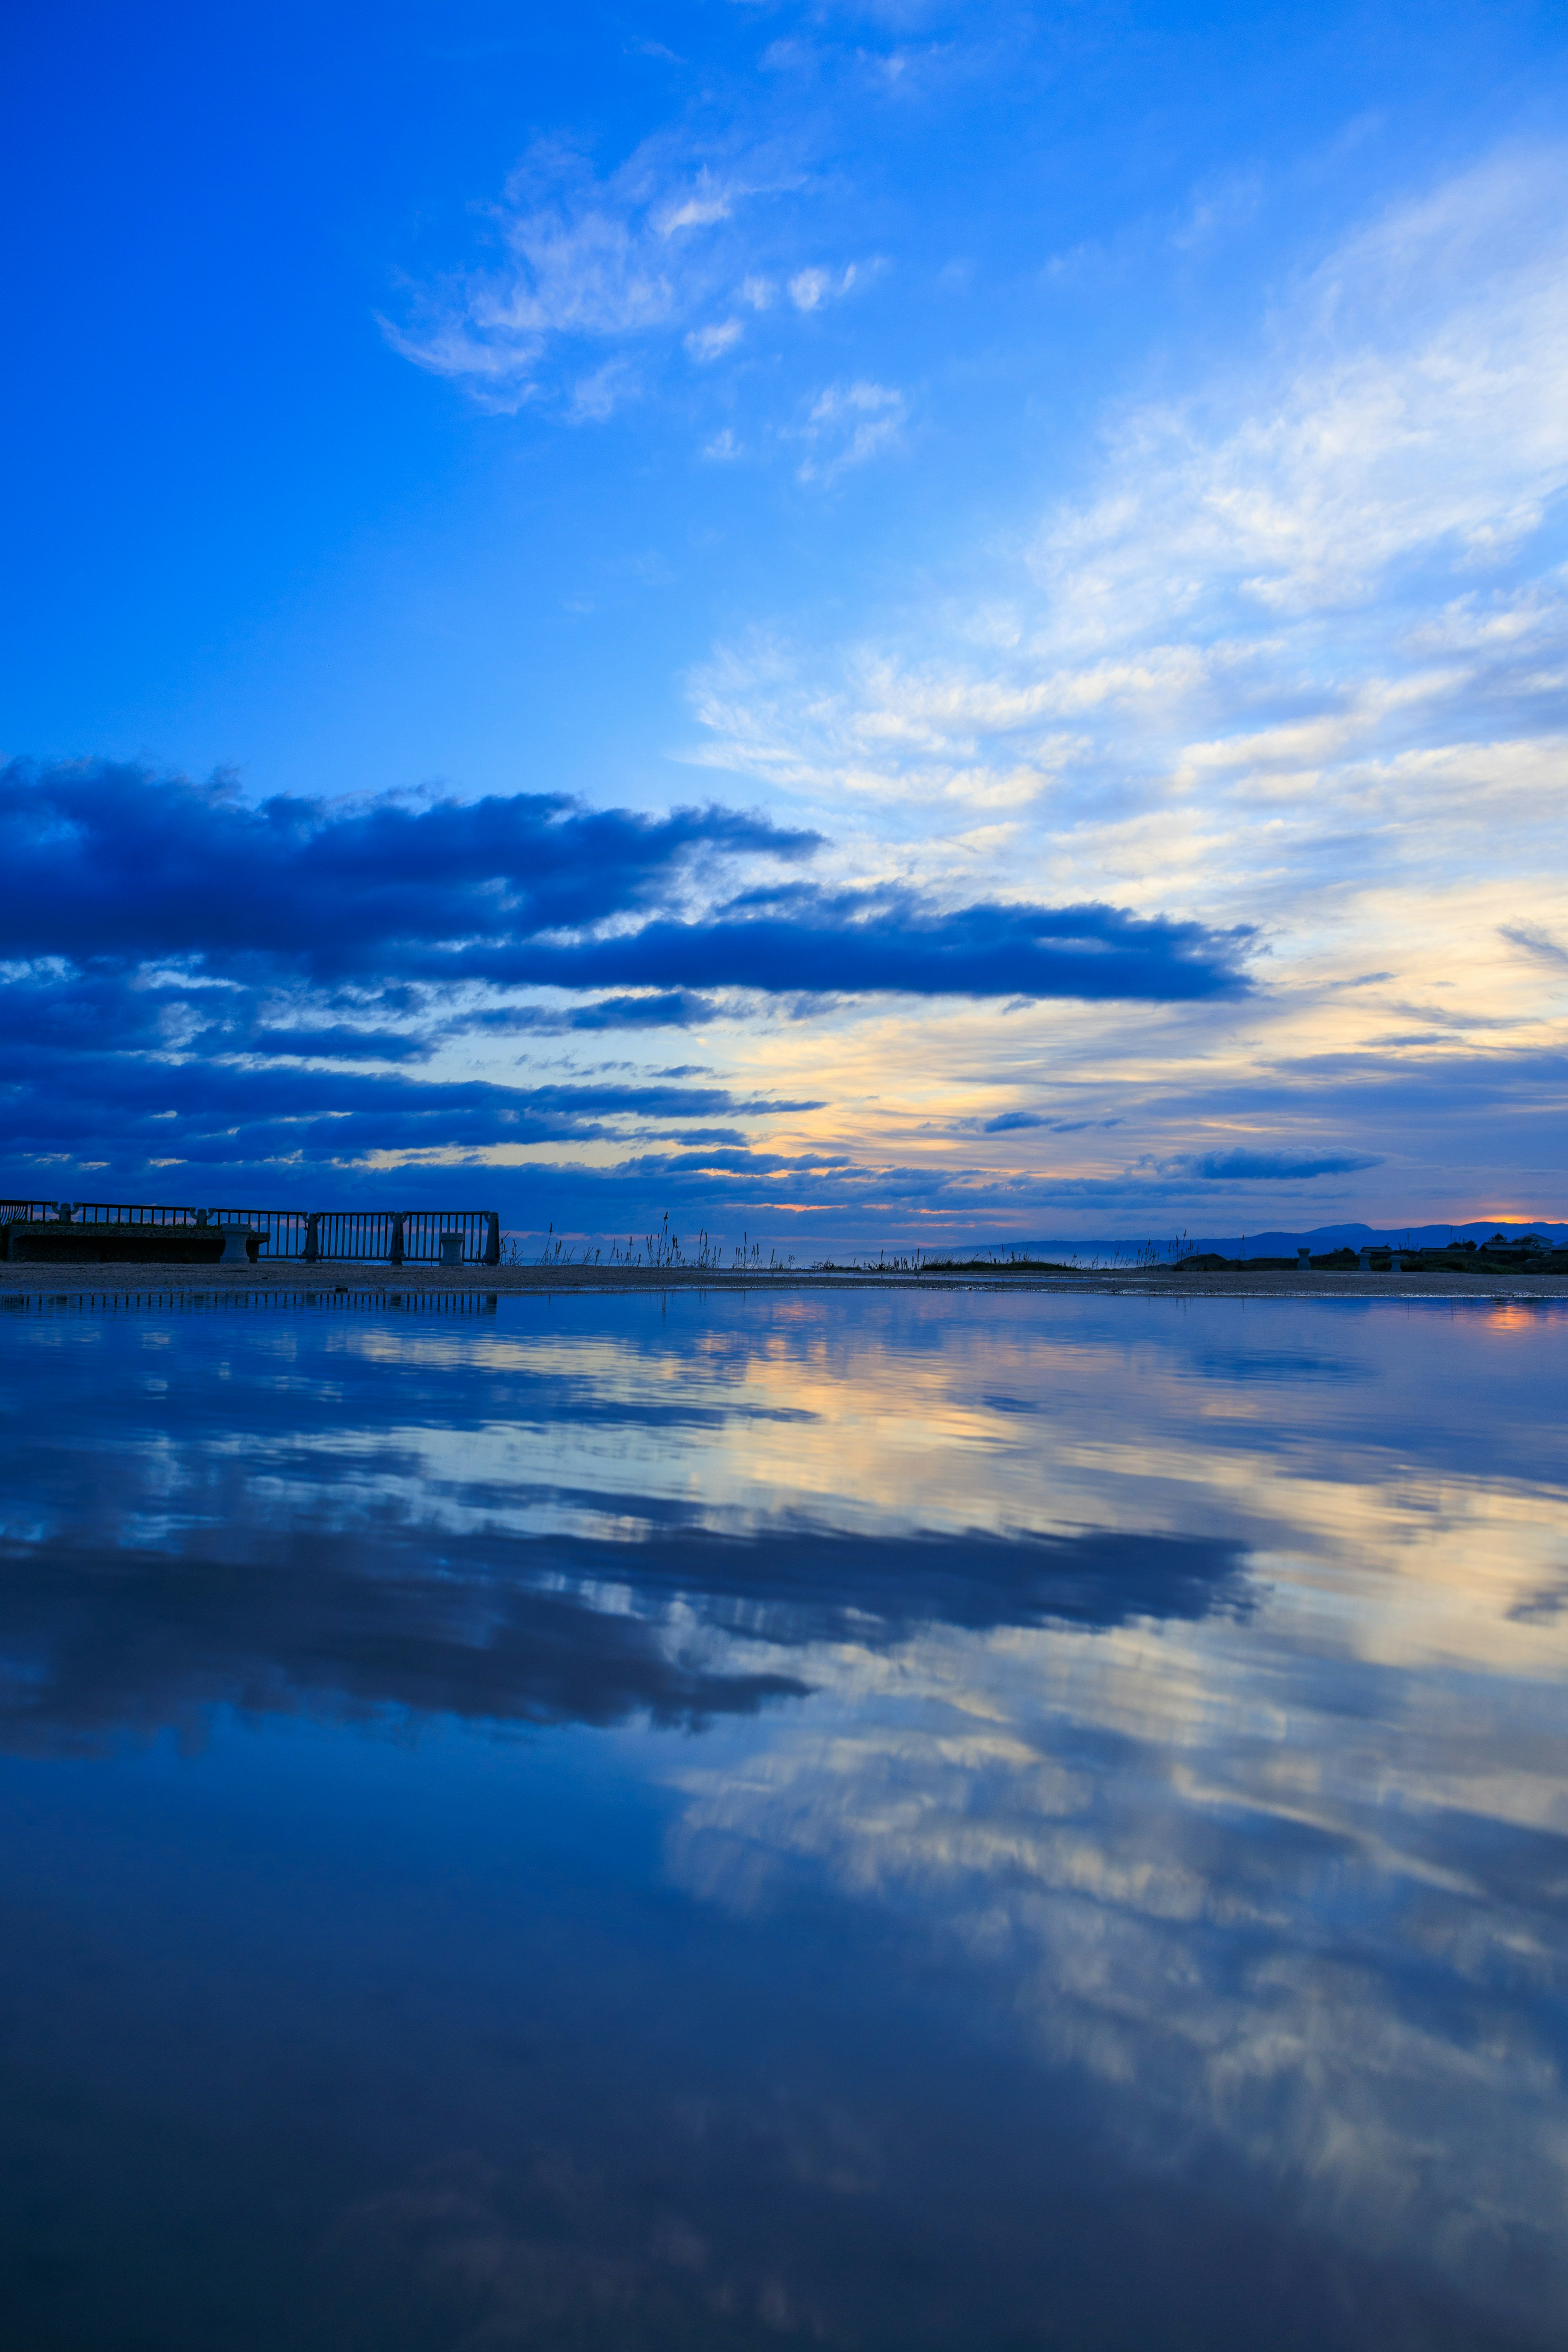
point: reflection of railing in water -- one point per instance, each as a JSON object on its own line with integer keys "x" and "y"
{"x": 249, "y": 1302}
{"x": 334, "y": 1236}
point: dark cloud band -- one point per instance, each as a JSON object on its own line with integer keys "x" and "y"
{"x": 204, "y": 986}
{"x": 110, "y": 864}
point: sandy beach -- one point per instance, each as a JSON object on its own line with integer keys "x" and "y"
{"x": 358, "y": 1282}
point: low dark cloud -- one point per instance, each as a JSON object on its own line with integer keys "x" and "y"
{"x": 1014, "y": 1122}
{"x": 100, "y": 864}
{"x": 1414, "y": 1037}
{"x": 98, "y": 859}
{"x": 339, "y": 1043}
{"x": 1535, "y": 941}
{"x": 205, "y": 991}
{"x": 852, "y": 942}
{"x": 1278, "y": 1166}
{"x": 671, "y": 1008}
{"x": 131, "y": 1110}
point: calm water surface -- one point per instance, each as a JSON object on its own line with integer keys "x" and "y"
{"x": 873, "y": 1820}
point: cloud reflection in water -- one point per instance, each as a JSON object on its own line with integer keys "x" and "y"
{"x": 1168, "y": 1704}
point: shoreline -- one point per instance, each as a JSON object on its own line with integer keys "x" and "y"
{"x": 370, "y": 1283}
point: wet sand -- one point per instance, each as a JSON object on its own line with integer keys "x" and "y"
{"x": 296, "y": 1280}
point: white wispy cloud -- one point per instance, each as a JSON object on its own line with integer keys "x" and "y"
{"x": 1274, "y": 596}
{"x": 1291, "y": 649}
{"x": 849, "y": 423}
{"x": 1409, "y": 406}
{"x": 708, "y": 202}
{"x": 600, "y": 392}
{"x": 585, "y": 261}
{"x": 656, "y": 257}
{"x": 1294, "y": 651}
{"x": 711, "y": 342}
{"x": 810, "y": 289}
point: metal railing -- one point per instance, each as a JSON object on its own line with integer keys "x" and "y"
{"x": 94, "y": 1213}
{"x": 22, "y": 1212}
{"x": 397, "y": 1237}
{"x": 338, "y": 1236}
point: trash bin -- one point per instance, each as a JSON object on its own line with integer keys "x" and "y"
{"x": 452, "y": 1249}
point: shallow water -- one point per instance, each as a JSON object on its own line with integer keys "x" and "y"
{"x": 880, "y": 1820}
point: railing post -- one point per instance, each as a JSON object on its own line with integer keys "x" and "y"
{"x": 394, "y": 1250}
{"x": 492, "y": 1239}
{"x": 313, "y": 1237}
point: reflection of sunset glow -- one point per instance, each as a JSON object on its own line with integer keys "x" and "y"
{"x": 1513, "y": 1315}
{"x": 796, "y": 1406}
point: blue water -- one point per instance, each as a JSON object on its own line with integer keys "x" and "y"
{"x": 881, "y": 1821}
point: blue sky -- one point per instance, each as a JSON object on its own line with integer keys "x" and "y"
{"x": 990, "y": 583}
